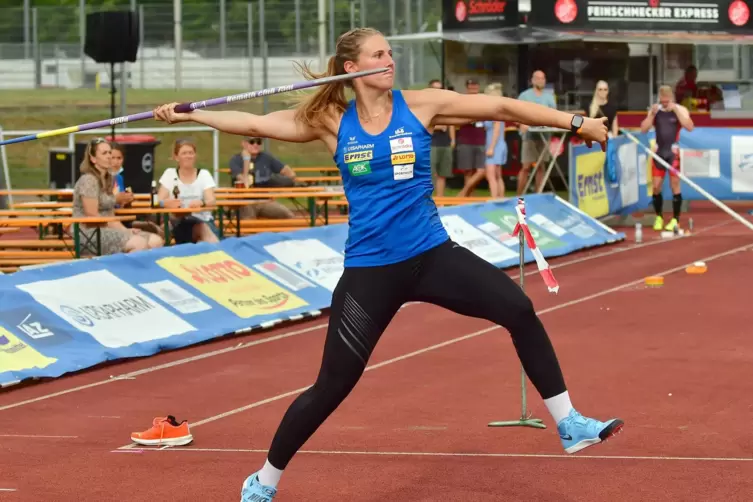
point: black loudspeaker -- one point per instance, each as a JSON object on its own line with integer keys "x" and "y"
{"x": 112, "y": 36}
{"x": 61, "y": 170}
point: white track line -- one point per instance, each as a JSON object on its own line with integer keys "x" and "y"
{"x": 35, "y": 436}
{"x": 144, "y": 371}
{"x": 8, "y": 490}
{"x": 452, "y": 341}
{"x": 467, "y": 455}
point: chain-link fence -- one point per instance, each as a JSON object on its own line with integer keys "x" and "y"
{"x": 224, "y": 44}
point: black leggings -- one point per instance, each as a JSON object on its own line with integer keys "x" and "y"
{"x": 366, "y": 299}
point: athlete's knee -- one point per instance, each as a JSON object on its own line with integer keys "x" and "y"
{"x": 331, "y": 388}
{"x": 515, "y": 310}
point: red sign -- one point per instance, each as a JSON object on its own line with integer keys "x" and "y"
{"x": 460, "y": 11}
{"x": 738, "y": 12}
{"x": 482, "y": 7}
{"x": 479, "y": 14}
{"x": 566, "y": 11}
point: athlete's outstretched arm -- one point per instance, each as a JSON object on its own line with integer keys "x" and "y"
{"x": 483, "y": 107}
{"x": 280, "y": 125}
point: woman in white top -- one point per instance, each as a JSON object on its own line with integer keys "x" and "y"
{"x": 187, "y": 186}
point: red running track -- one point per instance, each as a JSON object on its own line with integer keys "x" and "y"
{"x": 416, "y": 426}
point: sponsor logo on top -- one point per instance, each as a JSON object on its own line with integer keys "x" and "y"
{"x": 403, "y": 158}
{"x": 359, "y": 168}
{"x": 400, "y": 131}
{"x": 358, "y": 156}
{"x": 355, "y": 147}
{"x": 400, "y": 145}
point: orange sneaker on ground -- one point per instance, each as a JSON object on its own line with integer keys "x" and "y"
{"x": 165, "y": 431}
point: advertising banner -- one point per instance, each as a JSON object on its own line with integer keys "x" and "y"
{"x": 701, "y": 16}
{"x": 719, "y": 160}
{"x": 70, "y": 316}
{"x": 471, "y": 15}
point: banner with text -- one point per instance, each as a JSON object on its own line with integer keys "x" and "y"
{"x": 718, "y": 160}
{"x": 626, "y": 16}
{"x": 70, "y": 316}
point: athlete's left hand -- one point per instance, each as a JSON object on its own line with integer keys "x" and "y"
{"x": 595, "y": 130}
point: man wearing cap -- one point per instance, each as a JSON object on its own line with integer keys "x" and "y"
{"x": 254, "y": 167}
{"x": 533, "y": 145}
{"x": 470, "y": 141}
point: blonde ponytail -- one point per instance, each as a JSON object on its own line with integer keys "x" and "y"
{"x": 328, "y": 99}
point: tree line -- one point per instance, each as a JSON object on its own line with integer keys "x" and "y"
{"x": 58, "y": 20}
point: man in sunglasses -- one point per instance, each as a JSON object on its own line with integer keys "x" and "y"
{"x": 255, "y": 167}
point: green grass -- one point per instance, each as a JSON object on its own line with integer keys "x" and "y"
{"x": 46, "y": 109}
{"x": 31, "y": 98}
{"x": 57, "y": 108}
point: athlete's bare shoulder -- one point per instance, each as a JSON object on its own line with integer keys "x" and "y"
{"x": 328, "y": 128}
{"x": 424, "y": 103}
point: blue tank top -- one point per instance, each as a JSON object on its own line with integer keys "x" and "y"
{"x": 387, "y": 181}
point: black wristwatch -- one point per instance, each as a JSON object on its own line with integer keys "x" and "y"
{"x": 576, "y": 123}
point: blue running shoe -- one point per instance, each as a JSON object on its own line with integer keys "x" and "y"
{"x": 578, "y": 432}
{"x": 253, "y": 491}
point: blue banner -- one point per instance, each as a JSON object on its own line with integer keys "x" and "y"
{"x": 70, "y": 316}
{"x": 718, "y": 160}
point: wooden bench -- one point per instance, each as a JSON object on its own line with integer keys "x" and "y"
{"x": 306, "y": 169}
{"x": 22, "y": 253}
{"x": 65, "y": 221}
{"x": 251, "y": 231}
{"x": 287, "y": 223}
{"x": 8, "y": 231}
{"x": 35, "y": 244}
{"x": 19, "y": 262}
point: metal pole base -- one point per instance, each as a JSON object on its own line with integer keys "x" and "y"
{"x": 536, "y": 423}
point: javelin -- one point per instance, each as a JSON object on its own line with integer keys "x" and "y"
{"x": 687, "y": 180}
{"x": 187, "y": 107}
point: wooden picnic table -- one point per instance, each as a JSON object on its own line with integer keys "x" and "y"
{"x": 220, "y": 206}
{"x": 32, "y": 213}
{"x": 311, "y": 197}
{"x": 163, "y": 213}
{"x": 63, "y": 221}
{"x": 39, "y": 192}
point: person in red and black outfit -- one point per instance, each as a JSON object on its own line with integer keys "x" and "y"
{"x": 668, "y": 118}
{"x": 470, "y": 142}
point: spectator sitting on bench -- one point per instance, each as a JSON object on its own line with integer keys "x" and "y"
{"x": 187, "y": 186}
{"x": 123, "y": 195}
{"x": 92, "y": 196}
{"x": 254, "y": 167}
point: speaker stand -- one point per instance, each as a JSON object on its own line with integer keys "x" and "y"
{"x": 112, "y": 98}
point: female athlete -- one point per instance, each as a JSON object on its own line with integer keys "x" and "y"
{"x": 397, "y": 250}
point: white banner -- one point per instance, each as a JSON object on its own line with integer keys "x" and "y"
{"x": 742, "y": 163}
{"x": 112, "y": 311}
{"x": 475, "y": 240}
{"x": 312, "y": 259}
{"x": 628, "y": 158}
